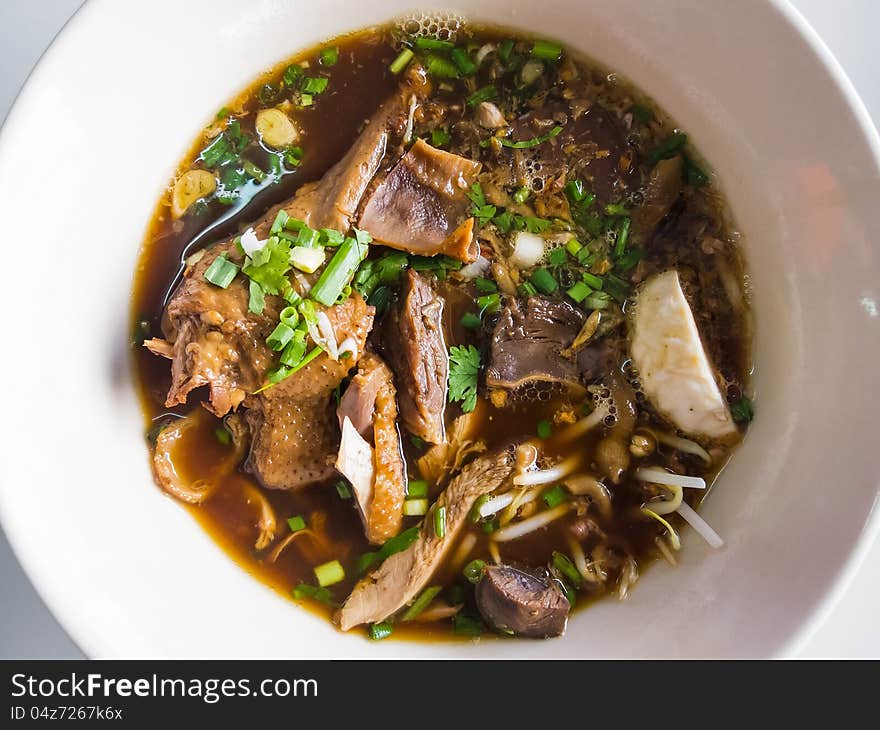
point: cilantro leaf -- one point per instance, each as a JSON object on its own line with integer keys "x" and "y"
{"x": 464, "y": 368}
{"x": 269, "y": 267}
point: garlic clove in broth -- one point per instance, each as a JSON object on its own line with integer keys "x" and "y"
{"x": 275, "y": 128}
{"x": 190, "y": 187}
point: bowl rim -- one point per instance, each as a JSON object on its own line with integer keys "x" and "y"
{"x": 88, "y": 641}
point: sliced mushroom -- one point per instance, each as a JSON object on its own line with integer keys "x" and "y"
{"x": 489, "y": 116}
{"x": 527, "y": 602}
{"x": 275, "y": 128}
{"x": 190, "y": 187}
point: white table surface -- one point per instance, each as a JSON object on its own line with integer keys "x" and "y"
{"x": 28, "y": 630}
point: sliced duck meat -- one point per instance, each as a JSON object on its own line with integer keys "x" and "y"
{"x": 661, "y": 192}
{"x": 530, "y": 349}
{"x": 380, "y": 484}
{"x": 400, "y": 579}
{"x": 591, "y": 146}
{"x": 413, "y": 342}
{"x": 527, "y": 602}
{"x": 295, "y": 438}
{"x": 422, "y": 206}
{"x": 210, "y": 336}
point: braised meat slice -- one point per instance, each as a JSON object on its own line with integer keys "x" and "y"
{"x": 413, "y": 342}
{"x": 661, "y": 192}
{"x": 529, "y": 603}
{"x": 371, "y": 399}
{"x": 529, "y": 350}
{"x": 294, "y": 434}
{"x": 402, "y": 577}
{"x": 422, "y": 206}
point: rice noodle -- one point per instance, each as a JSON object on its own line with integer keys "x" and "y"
{"x": 628, "y": 576}
{"x": 700, "y": 525}
{"x": 545, "y": 476}
{"x": 475, "y": 269}
{"x": 579, "y": 559}
{"x": 656, "y": 475}
{"x": 587, "y": 423}
{"x": 407, "y": 134}
{"x": 522, "y": 497}
{"x": 325, "y": 327}
{"x": 681, "y": 444}
{"x": 542, "y": 519}
{"x": 495, "y": 553}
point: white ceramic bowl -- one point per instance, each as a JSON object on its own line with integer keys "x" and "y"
{"x": 95, "y": 136}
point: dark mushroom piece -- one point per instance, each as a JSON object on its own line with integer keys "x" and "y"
{"x": 527, "y": 602}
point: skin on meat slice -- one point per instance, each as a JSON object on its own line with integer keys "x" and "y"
{"x": 673, "y": 366}
{"x": 294, "y": 434}
{"x": 422, "y": 206}
{"x": 374, "y": 402}
{"x": 415, "y": 346}
{"x": 399, "y": 580}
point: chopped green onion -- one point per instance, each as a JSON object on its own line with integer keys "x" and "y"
{"x": 622, "y": 237}
{"x": 342, "y": 489}
{"x": 616, "y": 209}
{"x": 742, "y": 410}
{"x": 338, "y": 272}
{"x": 329, "y": 56}
{"x": 221, "y": 272}
{"x": 417, "y": 488}
{"x": 470, "y": 321}
{"x": 548, "y": 50}
{"x": 545, "y": 430}
{"x": 329, "y": 573}
{"x": 315, "y": 85}
{"x": 474, "y": 514}
{"x": 490, "y": 526}
{"x": 440, "y": 137}
{"x": 596, "y": 301}
{"x": 521, "y": 195}
{"x": 421, "y": 603}
{"x": 223, "y": 112}
{"x": 630, "y": 259}
{"x": 467, "y": 625}
{"x": 527, "y": 289}
{"x": 575, "y": 190}
{"x": 579, "y": 291}
{"x": 616, "y": 287}
{"x": 592, "y": 280}
{"x": 432, "y": 44}
{"x": 666, "y": 148}
{"x": 554, "y": 496}
{"x": 563, "y": 564}
{"x": 415, "y": 507}
{"x": 331, "y": 237}
{"x": 441, "y": 67}
{"x": 487, "y": 93}
{"x": 485, "y": 286}
{"x": 380, "y": 631}
{"x": 281, "y": 335}
{"x": 393, "y": 545}
{"x": 256, "y": 298}
{"x": 222, "y": 435}
{"x": 489, "y": 303}
{"x": 463, "y": 61}
{"x": 289, "y": 316}
{"x": 296, "y": 523}
{"x": 251, "y": 169}
{"x": 440, "y": 522}
{"x": 278, "y": 224}
{"x": 322, "y": 595}
{"x": 402, "y": 61}
{"x": 294, "y": 351}
{"x": 543, "y": 281}
{"x": 504, "y": 49}
{"x": 533, "y": 142}
{"x": 306, "y": 100}
{"x": 473, "y": 571}
{"x": 292, "y": 74}
{"x": 557, "y": 256}
{"x": 274, "y": 376}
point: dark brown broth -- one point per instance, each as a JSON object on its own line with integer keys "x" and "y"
{"x": 358, "y": 83}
